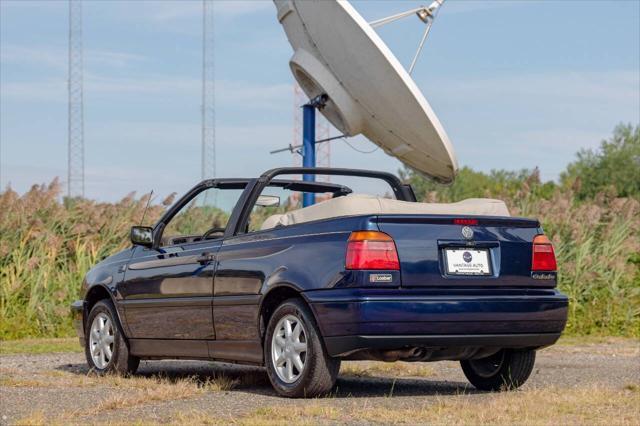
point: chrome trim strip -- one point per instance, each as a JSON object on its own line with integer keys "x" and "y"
{"x": 160, "y": 263}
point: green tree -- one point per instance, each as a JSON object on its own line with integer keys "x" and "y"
{"x": 613, "y": 168}
{"x": 472, "y": 184}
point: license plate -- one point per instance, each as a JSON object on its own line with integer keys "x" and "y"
{"x": 467, "y": 262}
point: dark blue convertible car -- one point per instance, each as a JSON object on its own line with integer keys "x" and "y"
{"x": 235, "y": 271}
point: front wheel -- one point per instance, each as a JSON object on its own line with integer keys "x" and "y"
{"x": 505, "y": 370}
{"x": 105, "y": 347}
{"x": 297, "y": 364}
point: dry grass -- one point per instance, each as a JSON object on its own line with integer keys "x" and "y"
{"x": 593, "y": 405}
{"x": 161, "y": 390}
{"x": 34, "y": 419}
{"x": 543, "y": 406}
{"x": 46, "y": 247}
{"x": 14, "y": 382}
{"x": 39, "y": 346}
{"x": 63, "y": 379}
{"x": 385, "y": 369}
{"x": 611, "y": 346}
{"x": 134, "y": 391}
{"x": 532, "y": 406}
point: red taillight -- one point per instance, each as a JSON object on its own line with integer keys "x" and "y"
{"x": 465, "y": 221}
{"x": 544, "y": 258}
{"x": 371, "y": 250}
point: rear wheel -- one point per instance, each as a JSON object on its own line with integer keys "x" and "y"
{"x": 105, "y": 347}
{"x": 505, "y": 370}
{"x": 297, "y": 364}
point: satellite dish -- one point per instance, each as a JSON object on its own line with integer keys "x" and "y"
{"x": 337, "y": 53}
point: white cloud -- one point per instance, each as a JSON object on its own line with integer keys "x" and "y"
{"x": 536, "y": 119}
{"x": 56, "y": 58}
{"x": 229, "y": 93}
{"x": 600, "y": 86}
{"x": 111, "y": 58}
{"x": 50, "y": 90}
{"x": 143, "y": 85}
{"x": 50, "y": 57}
{"x": 32, "y": 4}
{"x": 371, "y": 9}
{"x": 173, "y": 11}
{"x": 454, "y": 7}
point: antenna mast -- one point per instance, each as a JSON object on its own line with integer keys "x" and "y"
{"x": 323, "y": 132}
{"x": 75, "y": 177}
{"x": 208, "y": 166}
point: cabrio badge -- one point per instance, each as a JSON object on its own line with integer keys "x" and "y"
{"x": 467, "y": 232}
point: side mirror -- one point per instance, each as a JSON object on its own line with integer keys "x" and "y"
{"x": 142, "y": 236}
{"x": 268, "y": 201}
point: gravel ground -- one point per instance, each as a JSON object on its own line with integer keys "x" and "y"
{"x": 52, "y": 386}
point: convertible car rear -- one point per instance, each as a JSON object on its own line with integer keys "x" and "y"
{"x": 354, "y": 276}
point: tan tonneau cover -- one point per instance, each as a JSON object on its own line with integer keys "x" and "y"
{"x": 356, "y": 204}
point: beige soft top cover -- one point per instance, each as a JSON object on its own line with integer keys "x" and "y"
{"x": 356, "y": 204}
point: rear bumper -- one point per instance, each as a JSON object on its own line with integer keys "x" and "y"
{"x": 353, "y": 320}
{"x": 77, "y": 313}
{"x": 344, "y": 345}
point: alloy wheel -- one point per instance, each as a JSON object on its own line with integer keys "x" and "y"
{"x": 289, "y": 348}
{"x": 101, "y": 340}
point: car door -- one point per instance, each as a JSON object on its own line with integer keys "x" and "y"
{"x": 167, "y": 291}
{"x": 246, "y": 262}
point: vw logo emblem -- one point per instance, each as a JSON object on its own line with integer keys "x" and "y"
{"x": 466, "y": 256}
{"x": 467, "y": 232}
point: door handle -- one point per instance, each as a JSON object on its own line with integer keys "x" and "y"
{"x": 206, "y": 258}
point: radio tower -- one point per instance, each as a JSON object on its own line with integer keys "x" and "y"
{"x": 208, "y": 93}
{"x": 75, "y": 177}
{"x": 323, "y": 150}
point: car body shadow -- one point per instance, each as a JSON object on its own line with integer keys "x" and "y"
{"x": 255, "y": 380}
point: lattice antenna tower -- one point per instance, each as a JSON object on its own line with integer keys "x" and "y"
{"x": 208, "y": 93}
{"x": 75, "y": 171}
{"x": 323, "y": 131}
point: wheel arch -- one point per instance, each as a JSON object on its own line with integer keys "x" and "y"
{"x": 95, "y": 294}
{"x": 273, "y": 298}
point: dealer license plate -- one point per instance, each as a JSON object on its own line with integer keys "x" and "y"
{"x": 467, "y": 262}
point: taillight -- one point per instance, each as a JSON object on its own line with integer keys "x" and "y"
{"x": 371, "y": 250}
{"x": 544, "y": 258}
{"x": 465, "y": 221}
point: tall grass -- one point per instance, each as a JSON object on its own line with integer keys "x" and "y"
{"x": 598, "y": 251}
{"x": 47, "y": 246}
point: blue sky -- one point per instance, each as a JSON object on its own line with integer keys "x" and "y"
{"x": 517, "y": 84}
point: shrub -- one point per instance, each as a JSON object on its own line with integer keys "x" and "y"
{"x": 614, "y": 168}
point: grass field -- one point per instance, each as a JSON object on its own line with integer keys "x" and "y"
{"x": 46, "y": 247}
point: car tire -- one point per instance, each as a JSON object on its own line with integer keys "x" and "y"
{"x": 505, "y": 370}
{"x": 292, "y": 332}
{"x": 105, "y": 346}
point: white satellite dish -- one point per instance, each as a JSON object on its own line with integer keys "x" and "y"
{"x": 337, "y": 53}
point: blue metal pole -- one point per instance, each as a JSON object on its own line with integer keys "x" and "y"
{"x": 308, "y": 149}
